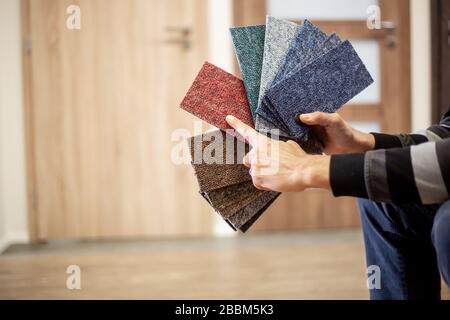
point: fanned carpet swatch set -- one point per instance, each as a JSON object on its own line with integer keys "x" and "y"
{"x": 287, "y": 69}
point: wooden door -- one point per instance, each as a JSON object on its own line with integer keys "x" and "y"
{"x": 102, "y": 102}
{"x": 318, "y": 208}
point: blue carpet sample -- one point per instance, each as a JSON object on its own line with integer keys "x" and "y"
{"x": 278, "y": 38}
{"x": 271, "y": 116}
{"x": 308, "y": 39}
{"x": 330, "y": 43}
{"x": 322, "y": 85}
{"x": 248, "y": 44}
{"x": 266, "y": 126}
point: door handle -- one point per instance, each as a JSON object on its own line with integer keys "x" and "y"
{"x": 391, "y": 29}
{"x": 182, "y": 36}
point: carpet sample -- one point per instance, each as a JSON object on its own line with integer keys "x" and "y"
{"x": 214, "y": 94}
{"x": 248, "y": 215}
{"x": 308, "y": 39}
{"x": 230, "y": 199}
{"x": 248, "y": 44}
{"x": 266, "y": 126}
{"x": 278, "y": 38}
{"x": 261, "y": 210}
{"x": 238, "y": 204}
{"x": 227, "y": 168}
{"x": 323, "y": 85}
{"x": 309, "y": 55}
{"x": 227, "y": 187}
{"x": 330, "y": 43}
{"x": 309, "y": 43}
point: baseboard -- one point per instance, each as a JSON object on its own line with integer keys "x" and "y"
{"x": 13, "y": 238}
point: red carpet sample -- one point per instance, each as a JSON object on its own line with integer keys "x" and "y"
{"x": 214, "y": 94}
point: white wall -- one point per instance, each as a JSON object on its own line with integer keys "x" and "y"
{"x": 13, "y": 208}
{"x": 220, "y": 18}
{"x": 420, "y": 64}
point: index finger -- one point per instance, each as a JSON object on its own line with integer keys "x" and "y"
{"x": 248, "y": 133}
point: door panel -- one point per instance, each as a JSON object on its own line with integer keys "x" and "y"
{"x": 103, "y": 102}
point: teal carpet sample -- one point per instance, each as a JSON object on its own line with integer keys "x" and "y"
{"x": 248, "y": 44}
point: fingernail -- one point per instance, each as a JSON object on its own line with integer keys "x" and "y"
{"x": 229, "y": 118}
{"x": 297, "y": 118}
{"x": 305, "y": 116}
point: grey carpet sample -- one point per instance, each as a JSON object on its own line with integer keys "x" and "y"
{"x": 248, "y": 44}
{"x": 322, "y": 85}
{"x": 248, "y": 215}
{"x": 308, "y": 39}
{"x": 278, "y": 38}
{"x": 227, "y": 187}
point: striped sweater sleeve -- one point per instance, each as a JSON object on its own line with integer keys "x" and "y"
{"x": 403, "y": 168}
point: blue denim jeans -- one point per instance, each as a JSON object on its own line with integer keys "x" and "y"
{"x": 410, "y": 244}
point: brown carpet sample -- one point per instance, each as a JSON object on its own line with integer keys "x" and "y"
{"x": 225, "y": 183}
{"x": 212, "y": 176}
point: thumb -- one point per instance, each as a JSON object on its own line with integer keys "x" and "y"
{"x": 317, "y": 118}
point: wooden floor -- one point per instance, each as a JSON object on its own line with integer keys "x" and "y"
{"x": 314, "y": 265}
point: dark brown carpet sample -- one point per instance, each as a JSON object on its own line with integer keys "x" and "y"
{"x": 258, "y": 213}
{"x": 245, "y": 217}
{"x": 224, "y": 182}
{"x": 229, "y": 200}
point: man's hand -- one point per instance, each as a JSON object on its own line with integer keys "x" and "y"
{"x": 281, "y": 166}
{"x": 337, "y": 135}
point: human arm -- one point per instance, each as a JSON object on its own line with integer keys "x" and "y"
{"x": 419, "y": 173}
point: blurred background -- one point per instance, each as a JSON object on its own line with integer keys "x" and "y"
{"x": 89, "y": 95}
